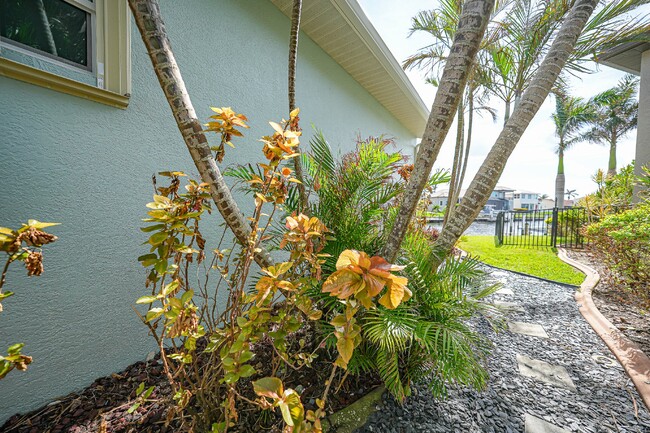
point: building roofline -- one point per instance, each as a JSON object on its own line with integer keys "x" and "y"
{"x": 344, "y": 32}
{"x": 624, "y": 56}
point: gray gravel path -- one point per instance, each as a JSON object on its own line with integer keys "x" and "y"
{"x": 603, "y": 401}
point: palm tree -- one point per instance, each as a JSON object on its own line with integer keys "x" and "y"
{"x": 617, "y": 110}
{"x": 441, "y": 24}
{"x": 469, "y": 34}
{"x": 571, "y": 114}
{"x": 152, "y": 29}
{"x": 610, "y": 23}
{"x": 293, "y": 54}
{"x": 526, "y": 107}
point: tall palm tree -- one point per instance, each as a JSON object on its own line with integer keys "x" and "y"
{"x": 152, "y": 29}
{"x": 469, "y": 34}
{"x": 571, "y": 114}
{"x": 610, "y": 23}
{"x": 441, "y": 23}
{"x": 542, "y": 82}
{"x": 617, "y": 111}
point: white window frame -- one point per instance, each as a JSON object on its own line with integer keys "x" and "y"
{"x": 109, "y": 57}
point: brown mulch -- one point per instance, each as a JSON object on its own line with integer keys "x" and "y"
{"x": 103, "y": 406}
{"x": 618, "y": 304}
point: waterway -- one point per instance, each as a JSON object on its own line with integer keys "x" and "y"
{"x": 477, "y": 228}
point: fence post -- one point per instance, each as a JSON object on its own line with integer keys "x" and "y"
{"x": 554, "y": 222}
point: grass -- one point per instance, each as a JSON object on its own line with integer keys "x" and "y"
{"x": 538, "y": 261}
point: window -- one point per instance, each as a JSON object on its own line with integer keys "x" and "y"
{"x": 55, "y": 28}
{"x": 80, "y": 47}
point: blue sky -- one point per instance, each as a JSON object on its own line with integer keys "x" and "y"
{"x": 533, "y": 164}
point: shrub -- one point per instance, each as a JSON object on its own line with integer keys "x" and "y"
{"x": 622, "y": 242}
{"x": 233, "y": 352}
{"x": 21, "y": 245}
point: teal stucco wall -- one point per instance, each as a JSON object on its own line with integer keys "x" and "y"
{"x": 89, "y": 166}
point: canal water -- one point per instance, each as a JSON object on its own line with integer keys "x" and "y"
{"x": 477, "y": 228}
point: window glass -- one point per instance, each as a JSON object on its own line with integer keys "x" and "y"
{"x": 53, "y": 27}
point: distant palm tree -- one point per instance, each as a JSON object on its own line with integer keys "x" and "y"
{"x": 617, "y": 111}
{"x": 571, "y": 193}
{"x": 571, "y": 114}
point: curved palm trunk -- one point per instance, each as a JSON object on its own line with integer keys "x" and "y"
{"x": 152, "y": 29}
{"x": 293, "y": 55}
{"x": 468, "y": 142}
{"x": 486, "y": 179}
{"x": 454, "y": 188}
{"x": 471, "y": 28}
{"x": 559, "y": 180}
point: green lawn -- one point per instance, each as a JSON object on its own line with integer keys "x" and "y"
{"x": 539, "y": 261}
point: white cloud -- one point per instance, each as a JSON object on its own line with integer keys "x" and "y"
{"x": 533, "y": 163}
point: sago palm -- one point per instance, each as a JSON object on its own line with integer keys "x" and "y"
{"x": 617, "y": 111}
{"x": 571, "y": 114}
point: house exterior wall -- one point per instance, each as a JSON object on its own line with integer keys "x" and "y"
{"x": 89, "y": 167}
{"x": 642, "y": 157}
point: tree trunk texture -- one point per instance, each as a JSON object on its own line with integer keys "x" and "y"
{"x": 152, "y": 29}
{"x": 506, "y": 116}
{"x": 488, "y": 175}
{"x": 611, "y": 166}
{"x": 293, "y": 55}
{"x": 560, "y": 181}
{"x": 471, "y": 28}
{"x": 468, "y": 141}
{"x": 452, "y": 195}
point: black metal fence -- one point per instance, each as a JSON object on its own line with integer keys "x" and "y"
{"x": 544, "y": 227}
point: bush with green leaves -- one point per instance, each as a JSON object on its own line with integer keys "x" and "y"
{"x": 622, "y": 242}
{"x": 613, "y": 193}
{"x": 427, "y": 337}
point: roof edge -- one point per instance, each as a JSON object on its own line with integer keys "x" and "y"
{"x": 352, "y": 11}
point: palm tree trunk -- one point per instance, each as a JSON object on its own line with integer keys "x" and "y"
{"x": 452, "y": 195}
{"x": 293, "y": 55}
{"x": 471, "y": 28}
{"x": 559, "y": 180}
{"x": 486, "y": 179}
{"x": 468, "y": 142}
{"x": 152, "y": 29}
{"x": 506, "y": 116}
{"x": 611, "y": 167}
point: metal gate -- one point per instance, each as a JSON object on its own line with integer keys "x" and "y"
{"x": 545, "y": 227}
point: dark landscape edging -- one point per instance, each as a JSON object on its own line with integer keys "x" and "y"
{"x": 629, "y": 355}
{"x": 355, "y": 415}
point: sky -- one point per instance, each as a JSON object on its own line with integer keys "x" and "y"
{"x": 533, "y": 164}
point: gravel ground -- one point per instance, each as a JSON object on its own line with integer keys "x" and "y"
{"x": 605, "y": 400}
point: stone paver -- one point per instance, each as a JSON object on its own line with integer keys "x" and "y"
{"x": 537, "y": 425}
{"x": 512, "y": 306}
{"x": 504, "y": 291}
{"x": 532, "y": 329}
{"x": 545, "y": 372}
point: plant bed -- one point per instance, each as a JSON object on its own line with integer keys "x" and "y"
{"x": 106, "y": 402}
{"x": 619, "y": 305}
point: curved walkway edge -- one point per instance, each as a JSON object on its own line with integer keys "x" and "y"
{"x": 634, "y": 361}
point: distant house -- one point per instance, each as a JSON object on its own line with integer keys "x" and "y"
{"x": 498, "y": 198}
{"x": 441, "y": 198}
{"x": 546, "y": 203}
{"x": 521, "y": 199}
